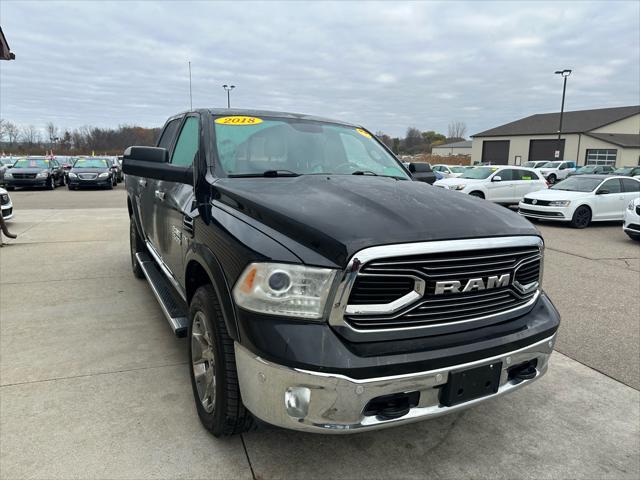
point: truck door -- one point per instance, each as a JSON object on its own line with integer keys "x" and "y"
{"x": 146, "y": 187}
{"x": 173, "y": 200}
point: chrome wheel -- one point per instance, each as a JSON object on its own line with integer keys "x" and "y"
{"x": 203, "y": 362}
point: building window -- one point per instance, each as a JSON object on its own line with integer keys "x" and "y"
{"x": 601, "y": 157}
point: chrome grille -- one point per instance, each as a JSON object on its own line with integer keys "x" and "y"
{"x": 23, "y": 176}
{"x": 88, "y": 176}
{"x": 451, "y": 308}
{"x": 394, "y": 287}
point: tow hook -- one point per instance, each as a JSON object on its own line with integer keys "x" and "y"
{"x": 524, "y": 371}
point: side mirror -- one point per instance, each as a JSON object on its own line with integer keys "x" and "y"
{"x": 602, "y": 191}
{"x": 152, "y": 162}
{"x": 496, "y": 178}
{"x": 419, "y": 167}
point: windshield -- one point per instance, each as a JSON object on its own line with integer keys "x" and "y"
{"x": 479, "y": 173}
{"x": 623, "y": 171}
{"x": 91, "y": 163}
{"x": 586, "y": 169}
{"x": 578, "y": 184}
{"x": 251, "y": 146}
{"x": 458, "y": 169}
{"x": 31, "y": 163}
{"x": 550, "y": 165}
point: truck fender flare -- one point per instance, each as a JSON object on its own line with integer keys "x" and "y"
{"x": 207, "y": 260}
{"x": 135, "y": 216}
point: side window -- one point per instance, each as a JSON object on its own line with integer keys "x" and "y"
{"x": 612, "y": 185}
{"x": 506, "y": 174}
{"x": 187, "y": 144}
{"x": 166, "y": 139}
{"x": 630, "y": 185}
{"x": 524, "y": 175}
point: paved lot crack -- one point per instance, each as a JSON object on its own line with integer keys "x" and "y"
{"x": 246, "y": 452}
{"x": 68, "y": 279}
{"x": 94, "y": 374}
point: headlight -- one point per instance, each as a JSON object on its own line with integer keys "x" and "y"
{"x": 629, "y": 207}
{"x": 284, "y": 289}
{"x": 43, "y": 174}
{"x": 72, "y": 175}
{"x": 456, "y": 187}
{"x": 103, "y": 175}
{"x": 8, "y": 175}
{"x": 560, "y": 203}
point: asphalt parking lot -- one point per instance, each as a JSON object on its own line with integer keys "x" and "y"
{"x": 94, "y": 385}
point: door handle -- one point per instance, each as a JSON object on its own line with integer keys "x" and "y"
{"x": 142, "y": 182}
{"x": 159, "y": 194}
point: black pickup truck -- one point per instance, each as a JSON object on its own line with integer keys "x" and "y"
{"x": 320, "y": 287}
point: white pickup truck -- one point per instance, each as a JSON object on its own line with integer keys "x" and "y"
{"x": 556, "y": 170}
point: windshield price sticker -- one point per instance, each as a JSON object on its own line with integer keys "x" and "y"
{"x": 364, "y": 133}
{"x": 238, "y": 120}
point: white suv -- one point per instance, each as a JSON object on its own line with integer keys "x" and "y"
{"x": 556, "y": 170}
{"x": 507, "y": 185}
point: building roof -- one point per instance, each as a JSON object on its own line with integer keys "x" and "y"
{"x": 579, "y": 121}
{"x": 462, "y": 144}
{"x": 5, "y": 52}
{"x": 627, "y": 140}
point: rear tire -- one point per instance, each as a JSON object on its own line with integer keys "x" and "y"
{"x": 136, "y": 246}
{"x": 477, "y": 194}
{"x": 210, "y": 353}
{"x": 10, "y": 189}
{"x": 581, "y": 217}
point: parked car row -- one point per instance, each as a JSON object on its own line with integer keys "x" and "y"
{"x": 51, "y": 172}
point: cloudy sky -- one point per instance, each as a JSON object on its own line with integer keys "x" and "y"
{"x": 385, "y": 65}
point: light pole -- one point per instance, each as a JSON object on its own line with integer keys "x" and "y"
{"x": 564, "y": 73}
{"x": 228, "y": 88}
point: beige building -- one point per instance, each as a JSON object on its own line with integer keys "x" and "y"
{"x": 452, "y": 149}
{"x": 606, "y": 136}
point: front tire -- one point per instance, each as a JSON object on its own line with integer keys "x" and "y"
{"x": 51, "y": 183}
{"x": 136, "y": 245}
{"x": 212, "y": 368}
{"x": 581, "y": 217}
{"x": 477, "y": 194}
{"x": 552, "y": 179}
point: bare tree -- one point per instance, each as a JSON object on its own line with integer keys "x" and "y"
{"x": 30, "y": 135}
{"x": 3, "y": 132}
{"x": 457, "y": 130}
{"x": 11, "y": 131}
{"x": 52, "y": 132}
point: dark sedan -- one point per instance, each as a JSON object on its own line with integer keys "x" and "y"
{"x": 34, "y": 172}
{"x": 91, "y": 172}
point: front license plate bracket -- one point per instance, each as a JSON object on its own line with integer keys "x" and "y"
{"x": 471, "y": 384}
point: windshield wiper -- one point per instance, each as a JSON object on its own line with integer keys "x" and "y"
{"x": 267, "y": 173}
{"x": 364, "y": 172}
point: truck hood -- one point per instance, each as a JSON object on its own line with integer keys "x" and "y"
{"x": 337, "y": 215}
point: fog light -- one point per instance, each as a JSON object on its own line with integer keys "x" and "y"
{"x": 296, "y": 399}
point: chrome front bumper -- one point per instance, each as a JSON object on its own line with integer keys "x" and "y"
{"x": 327, "y": 403}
